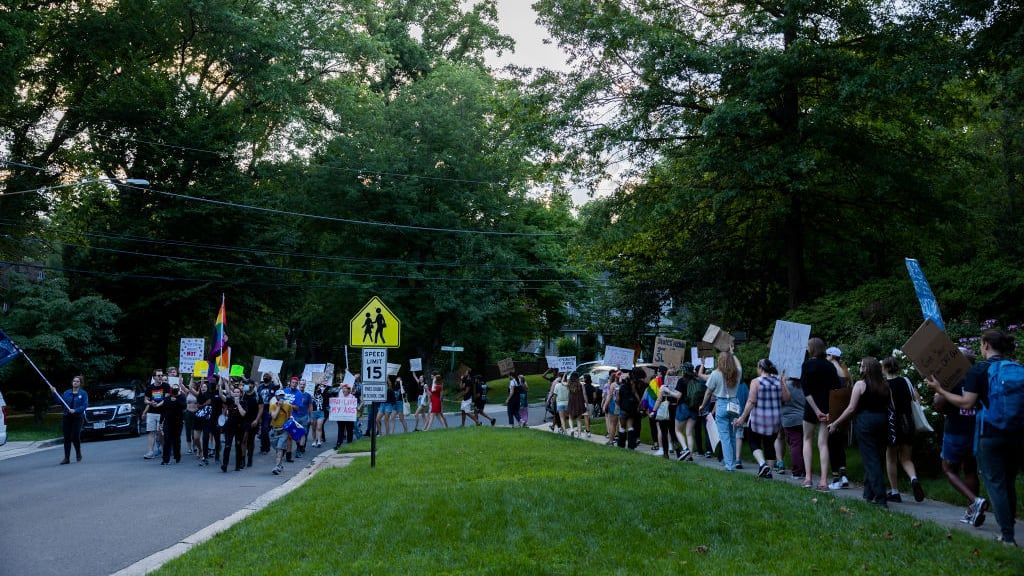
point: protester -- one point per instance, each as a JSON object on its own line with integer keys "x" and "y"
{"x": 838, "y": 400}
{"x": 870, "y": 401}
{"x": 318, "y": 414}
{"x": 204, "y": 413}
{"x": 301, "y": 402}
{"x": 75, "y": 401}
{"x": 512, "y": 402}
{"x": 648, "y": 399}
{"x": 692, "y": 390}
{"x": 345, "y": 428}
{"x": 280, "y": 412}
{"x": 958, "y": 451}
{"x": 630, "y": 391}
{"x": 155, "y": 392}
{"x": 265, "y": 393}
{"x": 577, "y": 410}
{"x": 172, "y": 407}
{"x": 436, "y": 390}
{"x": 212, "y": 430}
{"x": 818, "y": 379}
{"x": 723, "y": 384}
{"x": 763, "y": 410}
{"x": 561, "y": 394}
{"x": 610, "y": 408}
{"x": 663, "y": 418}
{"x": 793, "y": 425}
{"x": 480, "y": 390}
{"x": 903, "y": 394}
{"x": 422, "y": 403}
{"x": 251, "y": 420}
{"x": 399, "y": 406}
{"x": 742, "y": 393}
{"x": 524, "y": 401}
{"x": 996, "y": 383}
{"x": 189, "y": 418}
{"x": 234, "y": 426}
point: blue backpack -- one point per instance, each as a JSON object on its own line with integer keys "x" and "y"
{"x": 1005, "y": 407}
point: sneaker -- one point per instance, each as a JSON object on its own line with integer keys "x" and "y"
{"x": 915, "y": 484}
{"x": 780, "y": 466}
{"x": 837, "y": 485}
{"x": 588, "y": 434}
{"x": 739, "y": 465}
{"x": 893, "y": 497}
{"x": 845, "y": 481}
{"x": 149, "y": 455}
{"x": 277, "y": 470}
{"x": 975, "y": 515}
{"x": 764, "y": 471}
{"x": 683, "y": 455}
{"x": 655, "y": 447}
{"x": 967, "y": 515}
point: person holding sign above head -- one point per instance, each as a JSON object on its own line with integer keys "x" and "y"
{"x": 818, "y": 379}
{"x": 75, "y": 402}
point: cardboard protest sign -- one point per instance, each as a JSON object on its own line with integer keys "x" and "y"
{"x": 664, "y": 345}
{"x": 673, "y": 359}
{"x": 552, "y": 362}
{"x": 720, "y": 339}
{"x": 200, "y": 368}
{"x": 934, "y": 354}
{"x": 237, "y": 370}
{"x": 255, "y": 372}
{"x": 618, "y": 357}
{"x": 191, "y": 349}
{"x": 393, "y": 369}
{"x": 343, "y": 408}
{"x": 416, "y": 365}
{"x": 506, "y": 366}
{"x": 929, "y": 305}
{"x": 789, "y": 347}
{"x": 705, "y": 350}
{"x": 272, "y": 367}
{"x": 671, "y": 382}
{"x": 309, "y": 369}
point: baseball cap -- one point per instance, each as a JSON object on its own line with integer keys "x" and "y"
{"x": 279, "y": 392}
{"x": 833, "y": 351}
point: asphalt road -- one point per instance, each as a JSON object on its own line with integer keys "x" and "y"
{"x": 114, "y": 508}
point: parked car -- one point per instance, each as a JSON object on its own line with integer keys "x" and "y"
{"x": 115, "y": 409}
{"x": 3, "y": 420}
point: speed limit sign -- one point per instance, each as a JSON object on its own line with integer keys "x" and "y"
{"x": 375, "y": 374}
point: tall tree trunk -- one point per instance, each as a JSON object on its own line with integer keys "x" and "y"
{"x": 790, "y": 127}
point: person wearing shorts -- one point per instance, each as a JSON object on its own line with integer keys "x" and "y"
{"x": 958, "y": 454}
{"x": 280, "y": 411}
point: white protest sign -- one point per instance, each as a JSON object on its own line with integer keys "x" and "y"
{"x": 709, "y": 363}
{"x": 343, "y": 408}
{"x": 565, "y": 364}
{"x": 271, "y": 366}
{"x": 310, "y": 369}
{"x": 393, "y": 369}
{"x": 349, "y": 379}
{"x": 552, "y": 361}
{"x": 789, "y": 344}
{"x": 694, "y": 357}
{"x": 192, "y": 349}
{"x": 618, "y": 357}
{"x": 712, "y": 428}
{"x": 671, "y": 382}
{"x": 416, "y": 365}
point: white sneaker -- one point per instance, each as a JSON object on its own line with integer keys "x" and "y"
{"x": 837, "y": 485}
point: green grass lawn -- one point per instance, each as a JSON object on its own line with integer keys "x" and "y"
{"x": 503, "y": 501}
{"x": 23, "y": 428}
{"x": 536, "y": 389}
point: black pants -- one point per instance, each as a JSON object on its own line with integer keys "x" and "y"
{"x": 513, "y": 413}
{"x": 654, "y": 429}
{"x": 210, "y": 428}
{"x": 250, "y": 441}
{"x": 665, "y": 430}
{"x": 172, "y": 439}
{"x": 72, "y": 427}
{"x": 761, "y": 442}
{"x": 345, "y": 432}
{"x": 837, "y": 443}
{"x": 265, "y": 432}
{"x": 872, "y": 430}
{"x": 234, "y": 434}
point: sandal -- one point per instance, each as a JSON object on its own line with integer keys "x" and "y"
{"x": 807, "y": 485}
{"x": 822, "y": 488}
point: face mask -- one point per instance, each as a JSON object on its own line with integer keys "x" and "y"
{"x": 245, "y": 388}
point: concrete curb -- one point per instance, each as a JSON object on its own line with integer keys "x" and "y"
{"x": 154, "y": 561}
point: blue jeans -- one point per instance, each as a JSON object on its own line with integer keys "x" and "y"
{"x": 999, "y": 458}
{"x": 726, "y": 433}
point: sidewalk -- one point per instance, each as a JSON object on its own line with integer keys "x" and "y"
{"x": 946, "y": 515}
{"x": 15, "y": 449}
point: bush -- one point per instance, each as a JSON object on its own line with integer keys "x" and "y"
{"x": 567, "y": 346}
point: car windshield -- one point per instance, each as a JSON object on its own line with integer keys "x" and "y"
{"x": 111, "y": 394}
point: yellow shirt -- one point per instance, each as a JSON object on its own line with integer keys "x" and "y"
{"x": 284, "y": 411}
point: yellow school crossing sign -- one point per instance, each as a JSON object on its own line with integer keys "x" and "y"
{"x": 374, "y": 326}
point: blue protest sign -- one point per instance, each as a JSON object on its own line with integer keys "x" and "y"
{"x": 929, "y": 306}
{"x": 8, "y": 351}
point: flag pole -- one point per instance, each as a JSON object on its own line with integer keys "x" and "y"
{"x": 41, "y": 375}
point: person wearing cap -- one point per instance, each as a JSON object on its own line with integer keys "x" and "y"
{"x": 280, "y": 412}
{"x": 838, "y": 401}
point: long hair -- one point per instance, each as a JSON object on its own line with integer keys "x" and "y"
{"x": 871, "y": 372}
{"x": 727, "y": 366}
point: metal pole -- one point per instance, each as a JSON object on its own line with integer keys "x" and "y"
{"x": 38, "y": 371}
{"x": 373, "y": 434}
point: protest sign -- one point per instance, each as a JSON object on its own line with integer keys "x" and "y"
{"x": 237, "y": 370}
{"x": 343, "y": 408}
{"x": 564, "y": 364}
{"x": 709, "y": 363}
{"x": 694, "y": 357}
{"x": 271, "y": 366}
{"x": 255, "y": 372}
{"x": 200, "y": 368}
{"x": 929, "y": 306}
{"x": 671, "y": 382}
{"x": 663, "y": 345}
{"x": 712, "y": 428}
{"x": 506, "y": 366}
{"x": 393, "y": 369}
{"x": 416, "y": 365}
{"x": 191, "y": 349}
{"x": 318, "y": 378}
{"x": 309, "y": 369}
{"x": 934, "y": 354}
{"x": 673, "y": 359}
{"x": 174, "y": 380}
{"x": 720, "y": 339}
{"x": 789, "y": 346}
{"x": 349, "y": 378}
{"x": 618, "y": 357}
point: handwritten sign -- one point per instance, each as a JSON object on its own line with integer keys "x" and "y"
{"x": 191, "y": 349}
{"x": 564, "y": 364}
{"x": 416, "y": 365}
{"x": 675, "y": 348}
{"x": 671, "y": 382}
{"x": 200, "y": 368}
{"x": 272, "y": 367}
{"x": 789, "y": 346}
{"x": 618, "y": 357}
{"x": 343, "y": 408}
{"x": 934, "y": 354}
{"x": 929, "y": 305}
{"x": 506, "y": 366}
{"x": 393, "y": 369}
{"x": 694, "y": 357}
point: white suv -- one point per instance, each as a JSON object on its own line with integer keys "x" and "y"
{"x": 3, "y": 420}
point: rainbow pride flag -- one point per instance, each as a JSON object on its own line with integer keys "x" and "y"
{"x": 220, "y": 353}
{"x": 651, "y": 394}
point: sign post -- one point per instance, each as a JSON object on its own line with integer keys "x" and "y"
{"x": 453, "y": 349}
{"x": 375, "y": 390}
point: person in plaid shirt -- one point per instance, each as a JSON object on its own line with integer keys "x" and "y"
{"x": 764, "y": 413}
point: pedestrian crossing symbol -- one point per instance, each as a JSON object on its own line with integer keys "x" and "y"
{"x": 374, "y": 326}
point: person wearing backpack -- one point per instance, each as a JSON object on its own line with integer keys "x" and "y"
{"x": 997, "y": 383}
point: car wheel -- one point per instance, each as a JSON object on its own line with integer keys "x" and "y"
{"x": 137, "y": 428}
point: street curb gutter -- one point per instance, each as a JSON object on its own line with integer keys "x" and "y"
{"x": 154, "y": 561}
